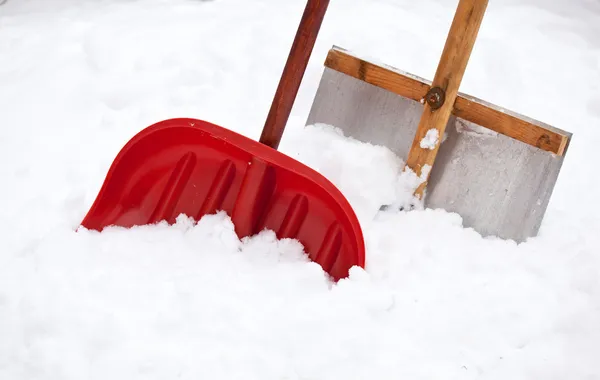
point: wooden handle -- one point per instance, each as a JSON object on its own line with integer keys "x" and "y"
{"x": 293, "y": 72}
{"x": 439, "y": 101}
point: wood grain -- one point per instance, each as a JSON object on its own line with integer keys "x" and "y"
{"x": 378, "y": 75}
{"x": 293, "y": 72}
{"x": 505, "y": 122}
{"x": 448, "y": 77}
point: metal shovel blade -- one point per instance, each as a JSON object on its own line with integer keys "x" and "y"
{"x": 195, "y": 168}
{"x": 498, "y": 184}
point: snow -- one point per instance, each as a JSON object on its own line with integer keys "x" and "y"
{"x": 80, "y": 77}
{"x": 430, "y": 140}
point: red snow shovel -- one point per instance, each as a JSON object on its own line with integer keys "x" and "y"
{"x": 192, "y": 167}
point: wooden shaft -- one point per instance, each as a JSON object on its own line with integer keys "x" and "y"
{"x": 290, "y": 81}
{"x": 451, "y": 68}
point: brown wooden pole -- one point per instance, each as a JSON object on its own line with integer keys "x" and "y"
{"x": 439, "y": 101}
{"x": 290, "y": 81}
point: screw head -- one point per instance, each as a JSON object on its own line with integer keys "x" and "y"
{"x": 435, "y": 97}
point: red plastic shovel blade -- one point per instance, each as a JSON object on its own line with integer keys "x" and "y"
{"x": 191, "y": 167}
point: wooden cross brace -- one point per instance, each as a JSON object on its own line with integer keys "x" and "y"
{"x": 441, "y": 97}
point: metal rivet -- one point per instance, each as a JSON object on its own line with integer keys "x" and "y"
{"x": 435, "y": 97}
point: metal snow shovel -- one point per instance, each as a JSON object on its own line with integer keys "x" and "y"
{"x": 192, "y": 167}
{"x": 495, "y": 168}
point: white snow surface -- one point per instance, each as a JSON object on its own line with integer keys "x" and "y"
{"x": 430, "y": 140}
{"x": 78, "y": 78}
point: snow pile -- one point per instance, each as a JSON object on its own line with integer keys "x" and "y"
{"x": 430, "y": 140}
{"x": 191, "y": 301}
{"x": 350, "y": 164}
